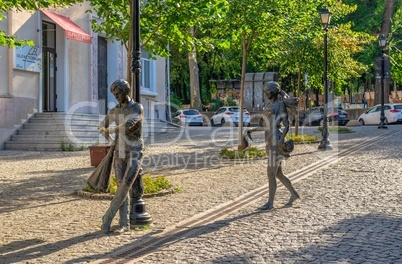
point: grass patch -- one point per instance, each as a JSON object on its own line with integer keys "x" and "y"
{"x": 66, "y": 147}
{"x": 336, "y": 129}
{"x": 303, "y": 138}
{"x": 151, "y": 184}
{"x": 155, "y": 184}
{"x": 88, "y": 188}
{"x": 142, "y": 228}
{"x": 252, "y": 152}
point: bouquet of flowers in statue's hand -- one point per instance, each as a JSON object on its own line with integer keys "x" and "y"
{"x": 245, "y": 141}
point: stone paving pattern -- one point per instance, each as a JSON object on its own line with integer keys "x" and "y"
{"x": 350, "y": 212}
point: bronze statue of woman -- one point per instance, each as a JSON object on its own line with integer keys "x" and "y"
{"x": 275, "y": 115}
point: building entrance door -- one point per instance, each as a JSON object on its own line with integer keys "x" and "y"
{"x": 49, "y": 80}
{"x": 49, "y": 68}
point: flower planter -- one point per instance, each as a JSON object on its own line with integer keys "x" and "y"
{"x": 97, "y": 153}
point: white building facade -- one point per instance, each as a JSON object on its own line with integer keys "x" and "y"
{"x": 69, "y": 69}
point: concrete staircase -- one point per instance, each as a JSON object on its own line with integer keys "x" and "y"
{"x": 62, "y": 131}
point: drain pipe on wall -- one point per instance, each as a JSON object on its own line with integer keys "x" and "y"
{"x": 39, "y": 41}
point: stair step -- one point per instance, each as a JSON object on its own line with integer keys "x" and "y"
{"x": 60, "y": 126}
{"x": 56, "y": 138}
{"x": 47, "y": 131}
{"x": 13, "y": 145}
{"x": 57, "y": 132}
{"x": 63, "y": 115}
{"x": 94, "y": 122}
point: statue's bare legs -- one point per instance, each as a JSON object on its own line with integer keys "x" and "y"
{"x": 275, "y": 171}
{"x": 285, "y": 181}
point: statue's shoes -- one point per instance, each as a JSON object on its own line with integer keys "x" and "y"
{"x": 267, "y": 206}
{"x": 121, "y": 230}
{"x": 105, "y": 229}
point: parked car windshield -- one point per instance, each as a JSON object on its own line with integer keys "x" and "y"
{"x": 191, "y": 112}
{"x": 398, "y": 106}
{"x": 234, "y": 109}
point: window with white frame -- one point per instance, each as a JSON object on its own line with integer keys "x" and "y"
{"x": 148, "y": 73}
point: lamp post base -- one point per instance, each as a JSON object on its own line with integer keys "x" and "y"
{"x": 139, "y": 216}
{"x": 382, "y": 126}
{"x": 325, "y": 145}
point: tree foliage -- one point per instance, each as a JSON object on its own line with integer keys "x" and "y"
{"x": 162, "y": 22}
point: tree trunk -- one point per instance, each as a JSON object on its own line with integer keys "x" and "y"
{"x": 385, "y": 29}
{"x": 194, "y": 78}
{"x": 387, "y": 16}
{"x": 241, "y": 99}
{"x": 297, "y": 95}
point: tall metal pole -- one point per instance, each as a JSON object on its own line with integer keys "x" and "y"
{"x": 382, "y": 118}
{"x": 325, "y": 142}
{"x": 136, "y": 52}
{"x": 138, "y": 214}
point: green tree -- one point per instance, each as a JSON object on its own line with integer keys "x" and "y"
{"x": 395, "y": 46}
{"x": 249, "y": 25}
{"x": 163, "y": 23}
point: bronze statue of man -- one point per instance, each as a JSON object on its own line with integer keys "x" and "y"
{"x": 128, "y": 151}
{"x": 275, "y": 115}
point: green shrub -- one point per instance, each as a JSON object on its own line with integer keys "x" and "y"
{"x": 231, "y": 102}
{"x": 252, "y": 152}
{"x": 155, "y": 184}
{"x": 112, "y": 185}
{"x": 336, "y": 129}
{"x": 175, "y": 104}
{"x": 151, "y": 184}
{"x": 65, "y": 147}
{"x": 217, "y": 103}
{"x": 301, "y": 138}
{"x": 88, "y": 188}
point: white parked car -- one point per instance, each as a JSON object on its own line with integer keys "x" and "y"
{"x": 392, "y": 112}
{"x": 190, "y": 117}
{"x": 230, "y": 114}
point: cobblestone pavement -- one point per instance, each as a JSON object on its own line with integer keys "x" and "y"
{"x": 350, "y": 211}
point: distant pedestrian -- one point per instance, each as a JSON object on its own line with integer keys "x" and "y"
{"x": 275, "y": 115}
{"x": 364, "y": 101}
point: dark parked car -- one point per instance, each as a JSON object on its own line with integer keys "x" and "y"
{"x": 315, "y": 117}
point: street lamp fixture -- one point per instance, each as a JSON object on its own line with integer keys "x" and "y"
{"x": 325, "y": 142}
{"x": 382, "y": 41}
{"x": 325, "y": 17}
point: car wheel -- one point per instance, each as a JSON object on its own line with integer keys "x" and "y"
{"x": 223, "y": 122}
{"x": 212, "y": 122}
{"x": 361, "y": 121}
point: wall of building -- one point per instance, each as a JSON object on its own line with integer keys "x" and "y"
{"x": 73, "y": 63}
{"x": 19, "y": 90}
{"x": 76, "y": 76}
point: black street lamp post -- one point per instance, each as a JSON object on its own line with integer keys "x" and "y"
{"x": 138, "y": 214}
{"x": 136, "y": 66}
{"x": 382, "y": 41}
{"x": 325, "y": 142}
